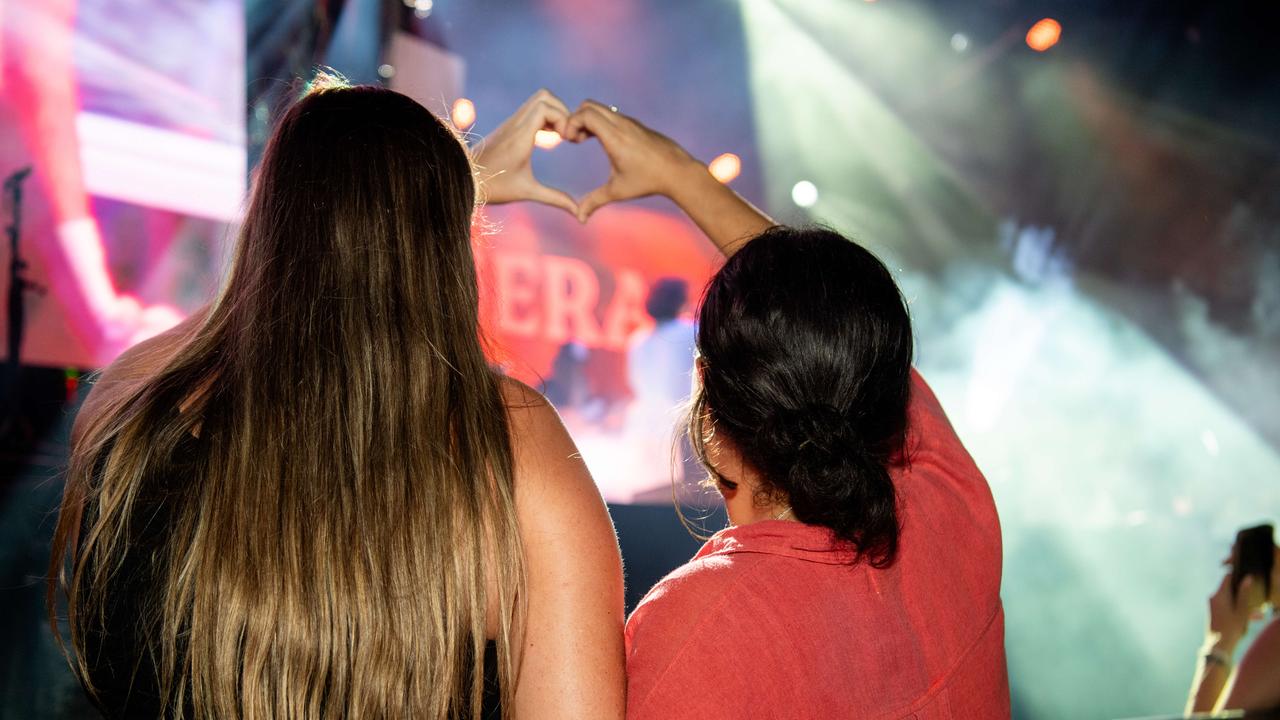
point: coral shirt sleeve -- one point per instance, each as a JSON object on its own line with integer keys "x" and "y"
{"x": 675, "y": 666}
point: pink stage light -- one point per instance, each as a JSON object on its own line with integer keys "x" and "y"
{"x": 158, "y": 168}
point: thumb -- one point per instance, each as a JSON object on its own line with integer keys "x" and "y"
{"x": 553, "y": 197}
{"x": 1241, "y": 598}
{"x": 593, "y": 201}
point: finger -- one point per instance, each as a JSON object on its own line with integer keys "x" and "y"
{"x": 593, "y": 201}
{"x": 548, "y": 116}
{"x": 607, "y": 111}
{"x": 1241, "y": 598}
{"x": 617, "y": 119}
{"x": 544, "y": 95}
{"x": 542, "y": 110}
{"x": 551, "y": 98}
{"x": 578, "y": 128}
{"x": 1224, "y": 587}
{"x": 593, "y": 121}
{"x": 554, "y": 198}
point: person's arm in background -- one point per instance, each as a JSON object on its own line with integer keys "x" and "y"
{"x": 1228, "y": 621}
{"x": 1255, "y": 684}
{"x": 646, "y": 162}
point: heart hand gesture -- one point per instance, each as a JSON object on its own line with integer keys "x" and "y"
{"x": 642, "y": 161}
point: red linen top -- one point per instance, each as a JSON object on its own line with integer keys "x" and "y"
{"x": 769, "y": 621}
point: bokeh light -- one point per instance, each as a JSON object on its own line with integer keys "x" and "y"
{"x": 804, "y": 194}
{"x": 546, "y": 139}
{"x": 463, "y": 113}
{"x": 1044, "y": 34}
{"x": 725, "y": 167}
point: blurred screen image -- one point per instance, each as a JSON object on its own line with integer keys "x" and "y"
{"x": 136, "y": 150}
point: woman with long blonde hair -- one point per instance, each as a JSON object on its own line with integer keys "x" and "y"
{"x": 316, "y": 499}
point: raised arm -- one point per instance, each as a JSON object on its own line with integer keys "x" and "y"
{"x": 646, "y": 162}
{"x": 1218, "y": 685}
{"x": 571, "y": 657}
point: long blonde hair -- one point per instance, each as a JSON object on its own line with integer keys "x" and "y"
{"x": 352, "y": 485}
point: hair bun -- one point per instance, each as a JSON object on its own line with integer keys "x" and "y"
{"x": 814, "y": 430}
{"x": 830, "y": 476}
{"x": 806, "y": 347}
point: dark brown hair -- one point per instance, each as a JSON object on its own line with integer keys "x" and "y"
{"x": 806, "y": 359}
{"x": 328, "y": 553}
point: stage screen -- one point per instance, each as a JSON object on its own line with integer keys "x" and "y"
{"x": 130, "y": 116}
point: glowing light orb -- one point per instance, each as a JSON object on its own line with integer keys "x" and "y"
{"x": 804, "y": 194}
{"x": 546, "y": 139}
{"x": 725, "y": 167}
{"x": 1044, "y": 34}
{"x": 463, "y": 113}
{"x": 959, "y": 42}
{"x": 1209, "y": 439}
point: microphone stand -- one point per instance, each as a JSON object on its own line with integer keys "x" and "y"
{"x": 19, "y": 285}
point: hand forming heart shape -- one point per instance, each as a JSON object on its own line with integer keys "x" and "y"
{"x": 503, "y": 160}
{"x": 642, "y": 162}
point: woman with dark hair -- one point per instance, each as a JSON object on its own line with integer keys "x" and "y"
{"x": 316, "y": 499}
{"x": 860, "y": 576}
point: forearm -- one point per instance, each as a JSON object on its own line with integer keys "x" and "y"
{"x": 1207, "y": 688}
{"x": 1211, "y": 678}
{"x": 724, "y": 216}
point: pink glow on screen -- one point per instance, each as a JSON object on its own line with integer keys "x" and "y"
{"x": 138, "y": 160}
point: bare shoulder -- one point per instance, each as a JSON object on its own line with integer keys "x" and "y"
{"x": 572, "y": 662}
{"x": 539, "y": 440}
{"x": 552, "y": 481}
{"x": 526, "y": 406}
